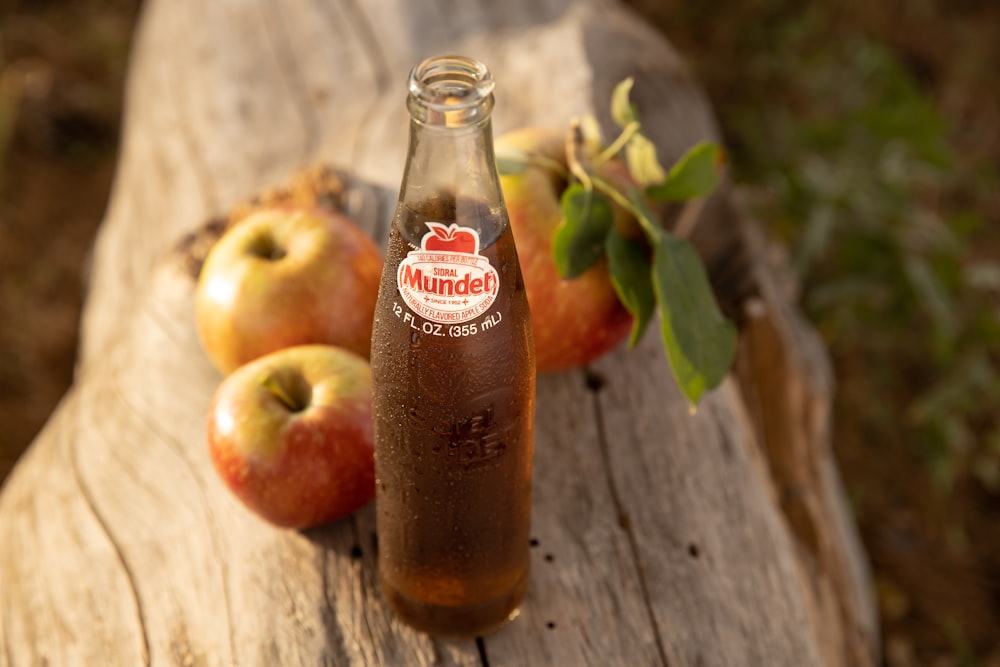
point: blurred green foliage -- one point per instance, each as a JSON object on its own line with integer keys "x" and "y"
{"x": 847, "y": 158}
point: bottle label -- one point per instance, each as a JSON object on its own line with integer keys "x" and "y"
{"x": 446, "y": 280}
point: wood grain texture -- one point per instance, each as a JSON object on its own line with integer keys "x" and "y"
{"x": 660, "y": 538}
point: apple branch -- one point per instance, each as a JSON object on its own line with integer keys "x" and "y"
{"x": 662, "y": 270}
{"x": 646, "y": 219}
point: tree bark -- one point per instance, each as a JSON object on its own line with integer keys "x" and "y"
{"x": 663, "y": 538}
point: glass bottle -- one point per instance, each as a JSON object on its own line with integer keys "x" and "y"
{"x": 453, "y": 372}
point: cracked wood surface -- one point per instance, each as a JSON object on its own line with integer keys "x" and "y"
{"x": 659, "y": 538}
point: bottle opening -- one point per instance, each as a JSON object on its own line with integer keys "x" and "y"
{"x": 451, "y": 91}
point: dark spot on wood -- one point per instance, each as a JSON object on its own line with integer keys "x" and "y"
{"x": 549, "y": 558}
{"x": 356, "y": 552}
{"x": 551, "y": 625}
{"x": 624, "y": 522}
{"x": 693, "y": 550}
{"x": 533, "y": 542}
{"x": 593, "y": 381}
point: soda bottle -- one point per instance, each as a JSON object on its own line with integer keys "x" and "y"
{"x": 453, "y": 371}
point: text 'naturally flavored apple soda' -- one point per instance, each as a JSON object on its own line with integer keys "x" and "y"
{"x": 453, "y": 371}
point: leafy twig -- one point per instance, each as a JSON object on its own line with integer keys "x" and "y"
{"x": 658, "y": 269}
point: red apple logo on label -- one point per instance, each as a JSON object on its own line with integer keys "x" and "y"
{"x": 450, "y": 238}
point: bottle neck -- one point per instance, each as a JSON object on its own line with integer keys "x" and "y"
{"x": 451, "y": 137}
{"x": 453, "y": 161}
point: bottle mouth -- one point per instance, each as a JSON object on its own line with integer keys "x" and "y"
{"x": 450, "y": 90}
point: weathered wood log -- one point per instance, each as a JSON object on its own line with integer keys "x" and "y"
{"x": 661, "y": 537}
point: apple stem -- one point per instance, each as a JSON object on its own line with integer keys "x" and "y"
{"x": 279, "y": 392}
{"x": 619, "y": 143}
{"x": 574, "y": 142}
{"x": 267, "y": 247}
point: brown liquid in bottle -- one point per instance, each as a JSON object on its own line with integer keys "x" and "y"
{"x": 454, "y": 411}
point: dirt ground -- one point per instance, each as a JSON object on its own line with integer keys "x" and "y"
{"x": 62, "y": 67}
{"x": 61, "y": 73}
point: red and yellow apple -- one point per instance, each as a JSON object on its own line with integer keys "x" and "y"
{"x": 283, "y": 277}
{"x": 573, "y": 321}
{"x": 291, "y": 435}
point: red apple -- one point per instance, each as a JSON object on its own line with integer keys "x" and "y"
{"x": 291, "y": 434}
{"x": 573, "y": 321}
{"x": 284, "y": 277}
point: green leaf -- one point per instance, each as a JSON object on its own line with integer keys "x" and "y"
{"x": 631, "y": 275}
{"x": 643, "y": 165}
{"x": 511, "y": 160}
{"x": 622, "y": 111}
{"x": 578, "y": 241}
{"x": 695, "y": 175}
{"x": 699, "y": 341}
